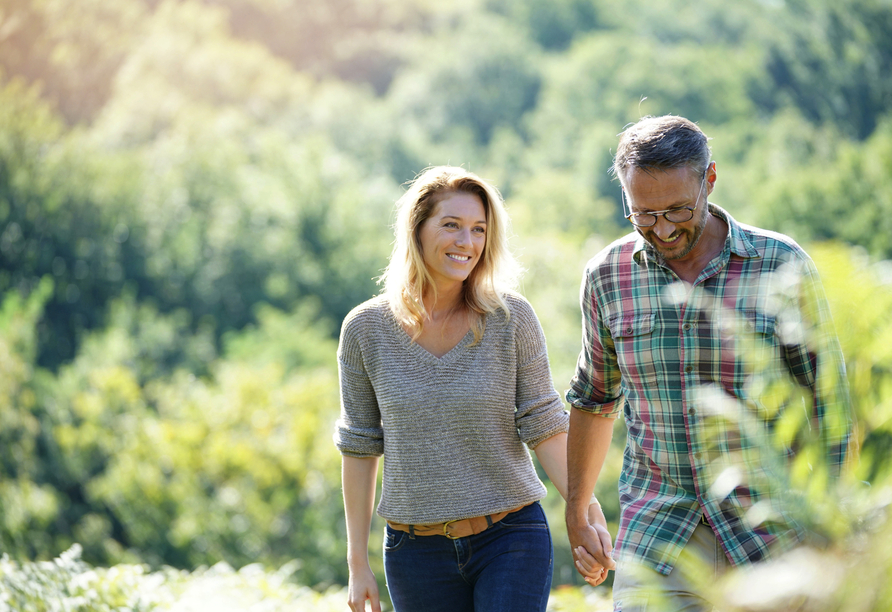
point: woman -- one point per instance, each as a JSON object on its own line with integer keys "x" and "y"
{"x": 446, "y": 375}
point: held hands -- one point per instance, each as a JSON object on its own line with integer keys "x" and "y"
{"x": 362, "y": 587}
{"x": 591, "y": 544}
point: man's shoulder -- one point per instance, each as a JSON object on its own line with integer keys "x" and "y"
{"x": 771, "y": 243}
{"x": 619, "y": 251}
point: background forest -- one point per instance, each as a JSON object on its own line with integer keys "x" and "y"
{"x": 194, "y": 193}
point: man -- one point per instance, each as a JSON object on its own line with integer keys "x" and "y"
{"x": 713, "y": 338}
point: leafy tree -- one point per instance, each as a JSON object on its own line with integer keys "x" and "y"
{"x": 72, "y": 51}
{"x": 28, "y": 505}
{"x": 553, "y": 25}
{"x": 54, "y": 223}
{"x": 816, "y": 185}
{"x": 831, "y": 60}
{"x": 467, "y": 81}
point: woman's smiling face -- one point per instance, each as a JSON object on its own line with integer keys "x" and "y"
{"x": 453, "y": 238}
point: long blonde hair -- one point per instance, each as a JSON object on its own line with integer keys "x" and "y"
{"x": 406, "y": 278}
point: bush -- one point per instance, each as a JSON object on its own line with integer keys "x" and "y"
{"x": 68, "y": 583}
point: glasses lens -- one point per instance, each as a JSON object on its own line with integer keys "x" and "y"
{"x": 642, "y": 220}
{"x": 680, "y": 216}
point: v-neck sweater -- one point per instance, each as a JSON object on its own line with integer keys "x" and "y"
{"x": 452, "y": 429}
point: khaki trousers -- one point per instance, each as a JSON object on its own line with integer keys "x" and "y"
{"x": 638, "y": 588}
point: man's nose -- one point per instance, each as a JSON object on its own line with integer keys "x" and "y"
{"x": 663, "y": 228}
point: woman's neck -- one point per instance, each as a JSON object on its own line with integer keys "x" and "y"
{"x": 444, "y": 303}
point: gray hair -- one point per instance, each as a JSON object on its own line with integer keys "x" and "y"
{"x": 661, "y": 143}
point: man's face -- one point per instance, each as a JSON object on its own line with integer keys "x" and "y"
{"x": 659, "y": 191}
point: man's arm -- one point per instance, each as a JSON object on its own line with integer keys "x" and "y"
{"x": 818, "y": 364}
{"x": 552, "y": 455}
{"x": 587, "y": 445}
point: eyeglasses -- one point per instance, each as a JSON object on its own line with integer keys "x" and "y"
{"x": 673, "y": 215}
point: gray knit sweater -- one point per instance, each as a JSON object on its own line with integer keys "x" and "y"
{"x": 452, "y": 430}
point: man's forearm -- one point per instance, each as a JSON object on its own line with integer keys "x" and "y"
{"x": 587, "y": 446}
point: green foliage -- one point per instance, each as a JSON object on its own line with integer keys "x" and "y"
{"x": 72, "y": 51}
{"x": 832, "y": 61}
{"x": 194, "y": 193}
{"x": 816, "y": 190}
{"x": 191, "y": 471}
{"x": 68, "y": 583}
{"x": 465, "y": 82}
{"x": 552, "y": 26}
{"x": 27, "y": 505}
{"x": 142, "y": 462}
{"x": 848, "y": 569}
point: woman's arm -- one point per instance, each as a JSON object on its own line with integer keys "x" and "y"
{"x": 552, "y": 455}
{"x": 359, "y": 477}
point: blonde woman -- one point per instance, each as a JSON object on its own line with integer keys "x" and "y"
{"x": 446, "y": 375}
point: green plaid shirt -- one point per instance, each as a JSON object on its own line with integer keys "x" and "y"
{"x": 709, "y": 379}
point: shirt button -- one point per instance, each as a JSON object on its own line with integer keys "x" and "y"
{"x": 696, "y": 455}
{"x": 691, "y": 411}
{"x": 686, "y": 326}
{"x": 689, "y": 369}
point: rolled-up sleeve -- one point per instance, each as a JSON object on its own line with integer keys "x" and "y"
{"x": 818, "y": 364}
{"x": 596, "y": 386}
{"x": 540, "y": 413}
{"x": 358, "y": 431}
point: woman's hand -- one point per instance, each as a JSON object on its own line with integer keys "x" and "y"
{"x": 363, "y": 587}
{"x": 593, "y": 570}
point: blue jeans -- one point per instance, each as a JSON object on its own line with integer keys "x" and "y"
{"x": 507, "y": 567}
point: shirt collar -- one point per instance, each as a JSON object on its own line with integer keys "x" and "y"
{"x": 736, "y": 242}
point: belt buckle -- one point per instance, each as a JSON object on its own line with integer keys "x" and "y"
{"x": 446, "y": 530}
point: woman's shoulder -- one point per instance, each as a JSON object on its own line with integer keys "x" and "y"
{"x": 518, "y": 305}
{"x": 520, "y": 314}
{"x": 370, "y": 313}
{"x": 522, "y": 325}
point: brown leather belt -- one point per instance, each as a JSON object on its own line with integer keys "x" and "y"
{"x": 455, "y": 529}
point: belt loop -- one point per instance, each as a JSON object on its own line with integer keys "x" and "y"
{"x": 411, "y": 532}
{"x": 488, "y": 521}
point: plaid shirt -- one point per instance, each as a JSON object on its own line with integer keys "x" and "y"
{"x": 709, "y": 377}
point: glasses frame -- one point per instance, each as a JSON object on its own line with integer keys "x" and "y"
{"x": 632, "y": 216}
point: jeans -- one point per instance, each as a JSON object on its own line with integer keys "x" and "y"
{"x": 507, "y": 567}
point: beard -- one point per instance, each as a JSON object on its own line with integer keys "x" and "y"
{"x": 688, "y": 240}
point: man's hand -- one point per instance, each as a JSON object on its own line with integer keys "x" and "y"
{"x": 591, "y": 544}
{"x": 362, "y": 586}
{"x": 587, "y": 443}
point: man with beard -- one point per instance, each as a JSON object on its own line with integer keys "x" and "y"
{"x": 704, "y": 332}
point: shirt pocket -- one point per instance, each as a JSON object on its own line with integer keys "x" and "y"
{"x": 633, "y": 338}
{"x": 758, "y": 323}
{"x": 753, "y": 344}
{"x": 751, "y": 362}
